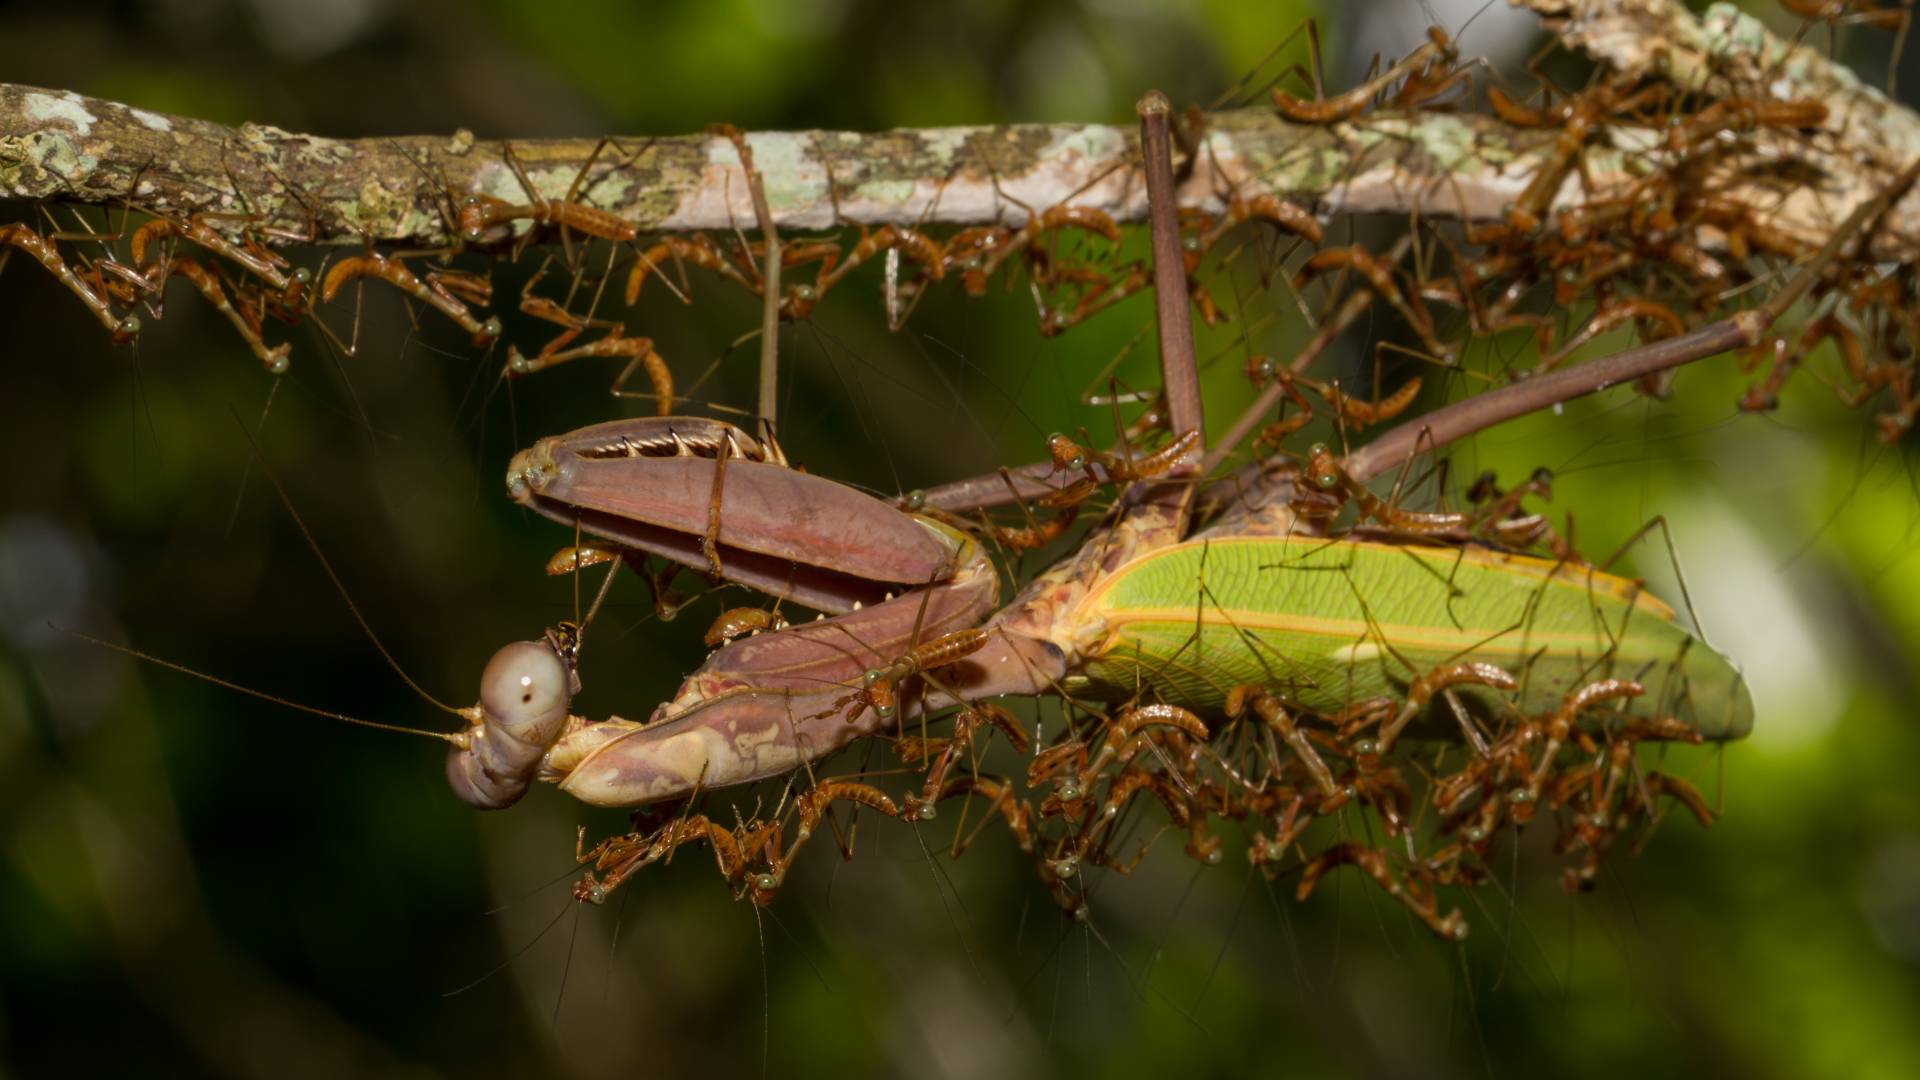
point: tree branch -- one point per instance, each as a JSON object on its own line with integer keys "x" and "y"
{"x": 62, "y": 146}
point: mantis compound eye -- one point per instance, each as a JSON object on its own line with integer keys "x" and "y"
{"x": 531, "y": 470}
{"x": 524, "y": 681}
{"x": 524, "y": 695}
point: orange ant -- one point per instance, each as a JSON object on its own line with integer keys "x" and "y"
{"x": 478, "y": 215}
{"x": 879, "y": 685}
{"x": 1421, "y": 68}
{"x": 741, "y": 621}
{"x": 121, "y": 328}
{"x": 438, "y": 291}
{"x": 1323, "y": 473}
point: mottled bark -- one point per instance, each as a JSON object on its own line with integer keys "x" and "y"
{"x": 66, "y": 147}
{"x": 62, "y": 146}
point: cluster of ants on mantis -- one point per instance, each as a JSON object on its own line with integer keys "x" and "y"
{"x": 1212, "y": 640}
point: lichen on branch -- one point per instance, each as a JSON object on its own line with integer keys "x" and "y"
{"x": 1439, "y": 163}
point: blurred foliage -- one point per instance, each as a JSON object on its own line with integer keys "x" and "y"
{"x": 229, "y": 887}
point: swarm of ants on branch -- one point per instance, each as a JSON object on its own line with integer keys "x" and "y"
{"x": 1667, "y": 251}
{"x": 1676, "y": 245}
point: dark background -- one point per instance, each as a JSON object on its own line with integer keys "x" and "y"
{"x": 193, "y": 882}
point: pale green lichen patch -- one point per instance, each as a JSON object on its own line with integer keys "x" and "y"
{"x": 1289, "y": 158}
{"x": 53, "y": 153}
{"x": 1319, "y": 168}
{"x": 49, "y": 108}
{"x": 886, "y": 191}
{"x": 567, "y": 183}
{"x": 13, "y": 163}
{"x": 325, "y": 153}
{"x": 1093, "y": 142}
{"x": 789, "y": 173}
{"x": 495, "y": 179}
{"x": 1312, "y": 164}
{"x": 554, "y": 183}
{"x": 152, "y": 121}
{"x": 1726, "y": 29}
{"x": 943, "y": 143}
{"x": 1450, "y": 141}
{"x": 609, "y": 190}
{"x": 1725, "y": 26}
{"x": 380, "y": 211}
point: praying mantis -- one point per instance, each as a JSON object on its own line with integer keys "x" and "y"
{"x": 1216, "y": 598}
{"x": 1278, "y": 604}
{"x": 1265, "y": 608}
{"x": 1147, "y": 608}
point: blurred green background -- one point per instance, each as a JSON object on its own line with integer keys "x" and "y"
{"x": 192, "y": 882}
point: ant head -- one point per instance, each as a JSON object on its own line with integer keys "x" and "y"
{"x": 473, "y": 218}
{"x": 1066, "y": 453}
{"x": 1485, "y": 486}
{"x": 1322, "y": 471}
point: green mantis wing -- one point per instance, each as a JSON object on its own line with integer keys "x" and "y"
{"x": 1325, "y": 623}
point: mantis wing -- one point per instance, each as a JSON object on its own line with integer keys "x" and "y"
{"x": 1325, "y": 623}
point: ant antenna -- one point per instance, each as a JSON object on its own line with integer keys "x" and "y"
{"x": 249, "y": 691}
{"x": 338, "y": 585}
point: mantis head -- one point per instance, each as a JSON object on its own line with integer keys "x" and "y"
{"x": 525, "y": 692}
